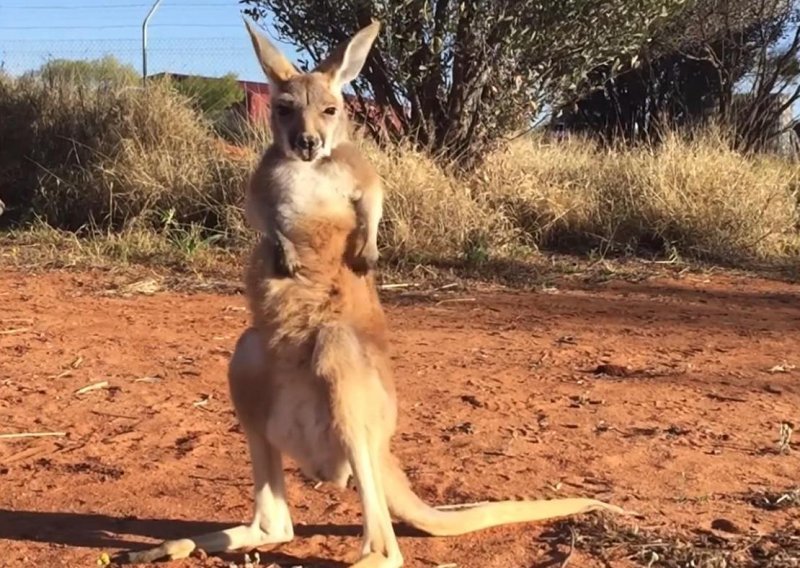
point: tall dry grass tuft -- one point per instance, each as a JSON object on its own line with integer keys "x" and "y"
{"x": 111, "y": 158}
{"x": 713, "y": 203}
{"x": 689, "y": 196}
{"x": 430, "y": 214}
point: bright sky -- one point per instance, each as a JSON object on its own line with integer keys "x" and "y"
{"x": 205, "y": 37}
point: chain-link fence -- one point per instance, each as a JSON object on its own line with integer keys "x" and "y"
{"x": 202, "y": 56}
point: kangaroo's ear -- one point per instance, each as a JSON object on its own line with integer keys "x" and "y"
{"x": 345, "y": 62}
{"x": 277, "y": 68}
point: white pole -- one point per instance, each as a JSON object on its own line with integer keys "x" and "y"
{"x": 144, "y": 39}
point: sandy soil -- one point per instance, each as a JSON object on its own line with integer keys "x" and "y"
{"x": 498, "y": 399}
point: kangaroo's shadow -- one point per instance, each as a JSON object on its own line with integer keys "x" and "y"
{"x": 86, "y": 530}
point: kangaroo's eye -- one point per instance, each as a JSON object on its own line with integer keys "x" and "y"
{"x": 283, "y": 110}
{"x": 330, "y": 110}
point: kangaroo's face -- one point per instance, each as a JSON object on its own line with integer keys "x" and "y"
{"x": 308, "y": 117}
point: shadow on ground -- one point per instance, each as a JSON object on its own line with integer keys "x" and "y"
{"x": 103, "y": 532}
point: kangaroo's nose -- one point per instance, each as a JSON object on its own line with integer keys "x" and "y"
{"x": 308, "y": 142}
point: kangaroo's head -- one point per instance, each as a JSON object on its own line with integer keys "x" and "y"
{"x": 308, "y": 117}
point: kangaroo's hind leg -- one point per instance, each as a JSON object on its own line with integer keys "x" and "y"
{"x": 271, "y": 520}
{"x": 359, "y": 407}
{"x": 271, "y": 523}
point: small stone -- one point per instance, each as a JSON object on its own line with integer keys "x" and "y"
{"x": 611, "y": 370}
{"x": 472, "y": 400}
{"x": 725, "y": 525}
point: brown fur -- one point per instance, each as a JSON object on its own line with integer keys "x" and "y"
{"x": 311, "y": 379}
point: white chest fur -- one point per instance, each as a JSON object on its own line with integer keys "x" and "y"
{"x": 310, "y": 190}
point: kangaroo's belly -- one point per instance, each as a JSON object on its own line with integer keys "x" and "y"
{"x": 300, "y": 424}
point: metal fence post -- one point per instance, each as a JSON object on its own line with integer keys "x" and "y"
{"x": 144, "y": 40}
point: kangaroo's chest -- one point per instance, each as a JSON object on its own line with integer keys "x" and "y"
{"x": 308, "y": 191}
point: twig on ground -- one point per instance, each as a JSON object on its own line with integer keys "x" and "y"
{"x": 147, "y": 380}
{"x": 17, "y": 320}
{"x": 572, "y": 539}
{"x": 723, "y": 398}
{"x": 785, "y": 440}
{"x": 15, "y": 331}
{"x": 112, "y": 415}
{"x": 92, "y": 387}
{"x": 454, "y": 300}
{"x": 18, "y": 435}
{"x": 396, "y": 286}
{"x": 203, "y": 402}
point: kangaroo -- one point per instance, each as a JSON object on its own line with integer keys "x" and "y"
{"x": 311, "y": 378}
{"x": 310, "y": 128}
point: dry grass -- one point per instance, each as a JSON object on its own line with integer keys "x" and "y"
{"x": 693, "y": 198}
{"x": 432, "y": 215}
{"x": 82, "y": 158}
{"x": 142, "y": 177}
{"x": 179, "y": 250}
{"x": 610, "y": 540}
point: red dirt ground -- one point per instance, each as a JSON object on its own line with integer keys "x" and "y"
{"x": 498, "y": 399}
